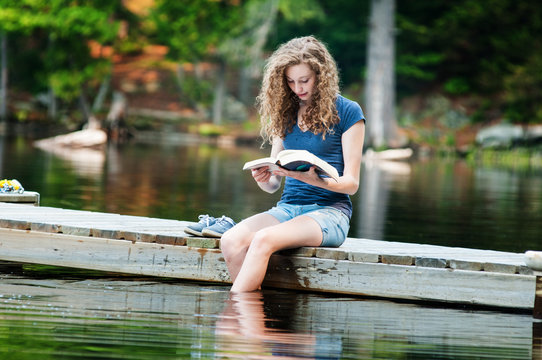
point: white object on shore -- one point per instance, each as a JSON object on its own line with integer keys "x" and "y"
{"x": 79, "y": 139}
{"x": 390, "y": 154}
{"x": 533, "y": 259}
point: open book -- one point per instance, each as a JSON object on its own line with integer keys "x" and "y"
{"x": 298, "y": 160}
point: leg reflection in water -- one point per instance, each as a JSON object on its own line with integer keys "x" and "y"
{"x": 244, "y": 331}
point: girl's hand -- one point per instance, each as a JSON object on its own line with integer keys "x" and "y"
{"x": 310, "y": 176}
{"x": 261, "y": 174}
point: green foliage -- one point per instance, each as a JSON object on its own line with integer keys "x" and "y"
{"x": 197, "y": 90}
{"x": 523, "y": 94}
{"x": 417, "y": 67}
{"x": 210, "y": 130}
{"x": 341, "y": 24}
{"x": 301, "y": 11}
{"x": 49, "y": 44}
{"x": 481, "y": 40}
{"x": 475, "y": 48}
{"x": 517, "y": 158}
{"x": 193, "y": 29}
{"x": 456, "y": 86}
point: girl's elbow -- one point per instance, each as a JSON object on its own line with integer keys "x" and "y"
{"x": 271, "y": 190}
{"x": 353, "y": 188}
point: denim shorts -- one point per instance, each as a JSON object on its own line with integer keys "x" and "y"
{"x": 333, "y": 222}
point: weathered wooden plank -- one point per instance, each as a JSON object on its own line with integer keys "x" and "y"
{"x": 402, "y": 282}
{"x": 466, "y": 265}
{"x": 92, "y": 226}
{"x": 27, "y": 197}
{"x": 45, "y": 227}
{"x": 207, "y": 243}
{"x": 74, "y": 230}
{"x": 171, "y": 239}
{"x": 295, "y": 272}
{"x": 304, "y": 251}
{"x": 501, "y": 268}
{"x": 363, "y": 257}
{"x": 369, "y": 246}
{"x": 397, "y": 259}
{"x": 15, "y": 224}
{"x": 331, "y": 253}
{"x": 113, "y": 255}
{"x": 431, "y": 262}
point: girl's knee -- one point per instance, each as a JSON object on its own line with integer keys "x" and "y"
{"x": 227, "y": 240}
{"x": 233, "y": 240}
{"x": 262, "y": 242}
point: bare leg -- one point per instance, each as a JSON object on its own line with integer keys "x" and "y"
{"x": 300, "y": 231}
{"x": 236, "y": 241}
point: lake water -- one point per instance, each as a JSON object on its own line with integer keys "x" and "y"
{"x": 55, "y": 313}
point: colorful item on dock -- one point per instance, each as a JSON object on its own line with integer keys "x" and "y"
{"x": 210, "y": 226}
{"x": 11, "y": 186}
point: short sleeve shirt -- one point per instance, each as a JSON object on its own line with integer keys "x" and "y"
{"x": 330, "y": 150}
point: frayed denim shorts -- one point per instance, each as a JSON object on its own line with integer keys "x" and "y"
{"x": 333, "y": 222}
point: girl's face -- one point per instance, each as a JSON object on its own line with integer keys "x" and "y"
{"x": 301, "y": 79}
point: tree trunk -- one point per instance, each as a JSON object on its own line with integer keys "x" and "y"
{"x": 3, "y": 76}
{"x": 52, "y": 111}
{"x": 380, "y": 86}
{"x": 244, "y": 85}
{"x": 264, "y": 19}
{"x": 90, "y": 120}
{"x": 102, "y": 93}
{"x": 52, "y": 108}
{"x": 220, "y": 92}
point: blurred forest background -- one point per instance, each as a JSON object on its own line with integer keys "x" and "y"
{"x": 195, "y": 65}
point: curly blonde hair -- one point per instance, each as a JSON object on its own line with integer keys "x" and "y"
{"x": 278, "y": 105}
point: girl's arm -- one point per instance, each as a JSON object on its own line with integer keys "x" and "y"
{"x": 352, "y": 144}
{"x": 267, "y": 181}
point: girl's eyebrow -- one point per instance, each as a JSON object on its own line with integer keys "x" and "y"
{"x": 305, "y": 77}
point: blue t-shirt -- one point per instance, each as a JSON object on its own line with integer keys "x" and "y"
{"x": 330, "y": 150}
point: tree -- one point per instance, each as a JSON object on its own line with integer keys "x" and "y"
{"x": 58, "y": 32}
{"x": 246, "y": 49}
{"x": 227, "y": 33}
{"x": 380, "y": 85}
{"x": 194, "y": 30}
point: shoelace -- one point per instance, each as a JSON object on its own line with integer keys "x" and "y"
{"x": 224, "y": 218}
{"x": 204, "y": 219}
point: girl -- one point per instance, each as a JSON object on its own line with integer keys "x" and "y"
{"x": 300, "y": 108}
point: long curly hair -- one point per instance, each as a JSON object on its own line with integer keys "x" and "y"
{"x": 278, "y": 105}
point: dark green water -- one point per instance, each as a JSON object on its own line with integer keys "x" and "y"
{"x": 66, "y": 314}
{"x": 53, "y": 313}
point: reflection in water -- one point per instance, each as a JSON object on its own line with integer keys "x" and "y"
{"x": 537, "y": 339}
{"x": 86, "y": 162}
{"x": 373, "y": 195}
{"x": 52, "y": 313}
{"x": 242, "y": 328}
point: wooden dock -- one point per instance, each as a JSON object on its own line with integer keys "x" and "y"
{"x": 159, "y": 247}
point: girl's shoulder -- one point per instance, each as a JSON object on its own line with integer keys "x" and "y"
{"x": 349, "y": 110}
{"x": 341, "y": 101}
